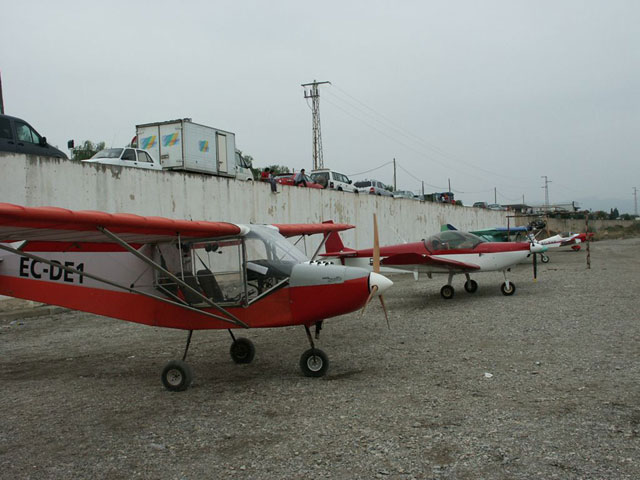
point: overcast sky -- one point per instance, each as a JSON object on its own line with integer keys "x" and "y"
{"x": 489, "y": 94}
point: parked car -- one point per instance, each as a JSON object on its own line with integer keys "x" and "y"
{"x": 405, "y": 194}
{"x": 373, "y": 187}
{"x": 334, "y": 180}
{"x": 125, "y": 157}
{"x": 496, "y": 206}
{"x": 289, "y": 178}
{"x": 480, "y": 205}
{"x": 17, "y": 136}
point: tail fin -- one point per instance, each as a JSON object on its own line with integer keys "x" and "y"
{"x": 448, "y": 226}
{"x": 334, "y": 246}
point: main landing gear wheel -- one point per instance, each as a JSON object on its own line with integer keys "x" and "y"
{"x": 508, "y": 291}
{"x": 314, "y": 363}
{"x": 177, "y": 376}
{"x": 447, "y": 292}
{"x": 544, "y": 258}
{"x": 242, "y": 350}
{"x": 471, "y": 286}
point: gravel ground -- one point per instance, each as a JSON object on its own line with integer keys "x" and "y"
{"x": 540, "y": 385}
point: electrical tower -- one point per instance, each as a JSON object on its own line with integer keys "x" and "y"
{"x": 314, "y": 95}
{"x": 635, "y": 201}
{"x": 546, "y": 191}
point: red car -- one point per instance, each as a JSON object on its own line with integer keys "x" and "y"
{"x": 288, "y": 179}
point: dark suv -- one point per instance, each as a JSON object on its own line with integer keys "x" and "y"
{"x": 17, "y": 136}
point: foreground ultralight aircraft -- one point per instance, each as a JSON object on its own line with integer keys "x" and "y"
{"x": 190, "y": 275}
{"x": 450, "y": 252}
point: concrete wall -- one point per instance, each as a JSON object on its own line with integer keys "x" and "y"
{"x": 40, "y": 181}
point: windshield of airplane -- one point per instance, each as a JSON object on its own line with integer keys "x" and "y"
{"x": 452, "y": 239}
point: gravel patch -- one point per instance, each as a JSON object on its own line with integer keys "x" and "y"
{"x": 540, "y": 385}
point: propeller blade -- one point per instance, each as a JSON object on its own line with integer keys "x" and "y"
{"x": 535, "y": 267}
{"x": 384, "y": 309}
{"x": 374, "y": 289}
{"x": 376, "y": 246}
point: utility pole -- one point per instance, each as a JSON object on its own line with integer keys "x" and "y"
{"x": 449, "y": 184}
{"x": 546, "y": 191}
{"x": 495, "y": 195}
{"x": 314, "y": 95}
{"x": 635, "y": 201}
{"x": 1, "y": 100}
{"x": 422, "y": 198}
{"x": 394, "y": 175}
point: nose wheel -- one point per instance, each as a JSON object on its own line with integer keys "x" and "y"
{"x": 314, "y": 362}
{"x": 509, "y": 289}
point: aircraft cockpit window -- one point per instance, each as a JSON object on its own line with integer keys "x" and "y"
{"x": 452, "y": 239}
{"x": 269, "y": 260}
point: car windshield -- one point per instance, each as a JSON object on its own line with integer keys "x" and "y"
{"x": 362, "y": 184}
{"x": 452, "y": 239}
{"x": 109, "y": 153}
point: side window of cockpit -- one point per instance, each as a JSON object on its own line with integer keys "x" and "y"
{"x": 218, "y": 268}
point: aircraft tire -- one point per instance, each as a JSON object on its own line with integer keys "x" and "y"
{"x": 471, "y": 286}
{"x": 314, "y": 363}
{"x": 242, "y": 350}
{"x": 177, "y": 376}
{"x": 447, "y": 292}
{"x": 544, "y": 258}
{"x": 510, "y": 291}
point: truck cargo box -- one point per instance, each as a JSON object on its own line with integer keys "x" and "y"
{"x": 184, "y": 145}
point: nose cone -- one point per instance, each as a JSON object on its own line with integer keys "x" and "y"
{"x": 537, "y": 248}
{"x": 379, "y": 281}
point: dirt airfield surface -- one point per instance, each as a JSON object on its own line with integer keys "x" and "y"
{"x": 544, "y": 384}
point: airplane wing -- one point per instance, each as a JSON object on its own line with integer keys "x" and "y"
{"x": 295, "y": 229}
{"x": 52, "y": 224}
{"x": 406, "y": 259}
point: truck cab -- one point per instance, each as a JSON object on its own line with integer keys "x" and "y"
{"x": 17, "y": 136}
{"x": 243, "y": 168}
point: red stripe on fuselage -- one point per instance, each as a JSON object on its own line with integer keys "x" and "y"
{"x": 285, "y": 307}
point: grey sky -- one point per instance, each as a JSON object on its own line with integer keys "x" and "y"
{"x": 485, "y": 93}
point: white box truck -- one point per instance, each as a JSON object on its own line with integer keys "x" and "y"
{"x": 184, "y": 145}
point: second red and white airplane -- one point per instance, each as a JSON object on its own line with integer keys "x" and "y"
{"x": 450, "y": 252}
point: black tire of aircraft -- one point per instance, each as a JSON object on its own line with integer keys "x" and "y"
{"x": 508, "y": 291}
{"x": 471, "y": 286}
{"x": 177, "y": 376}
{"x": 314, "y": 363}
{"x": 242, "y": 350}
{"x": 447, "y": 292}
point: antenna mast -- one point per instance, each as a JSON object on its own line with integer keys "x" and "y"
{"x": 314, "y": 95}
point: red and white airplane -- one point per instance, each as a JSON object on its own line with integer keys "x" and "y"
{"x": 572, "y": 240}
{"x": 190, "y": 275}
{"x": 449, "y": 252}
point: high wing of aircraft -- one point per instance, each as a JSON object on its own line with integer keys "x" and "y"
{"x": 190, "y": 275}
{"x": 449, "y": 252}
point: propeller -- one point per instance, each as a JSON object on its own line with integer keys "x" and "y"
{"x": 535, "y": 249}
{"x": 376, "y": 269}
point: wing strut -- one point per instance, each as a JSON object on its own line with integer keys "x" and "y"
{"x": 114, "y": 284}
{"x": 178, "y": 280}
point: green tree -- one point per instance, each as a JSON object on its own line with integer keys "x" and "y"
{"x": 87, "y": 150}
